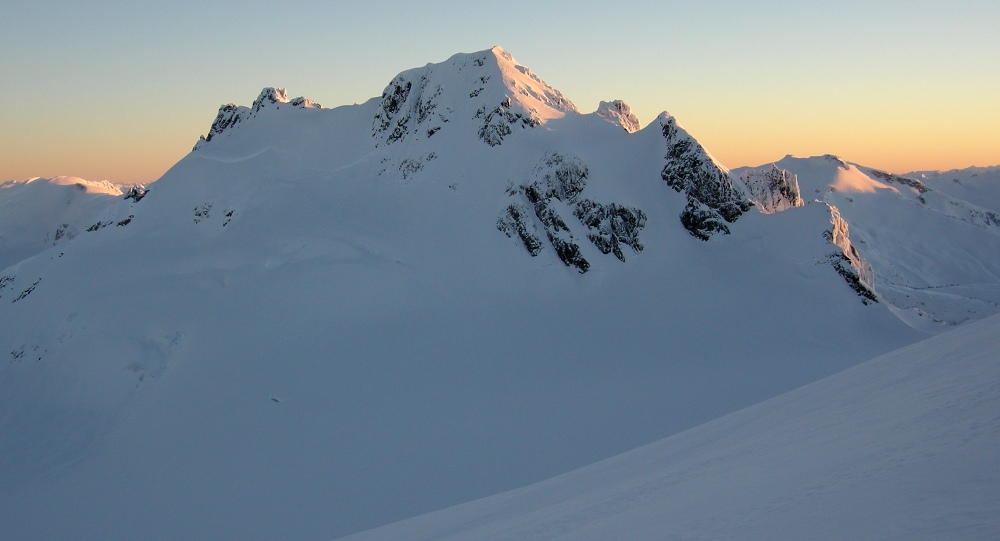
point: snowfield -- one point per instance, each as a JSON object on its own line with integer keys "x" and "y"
{"x": 322, "y": 321}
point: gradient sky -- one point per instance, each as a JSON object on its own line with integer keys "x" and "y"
{"x": 121, "y": 90}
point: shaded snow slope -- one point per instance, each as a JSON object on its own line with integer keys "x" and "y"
{"x": 905, "y": 446}
{"x": 304, "y": 330}
{"x": 934, "y": 255}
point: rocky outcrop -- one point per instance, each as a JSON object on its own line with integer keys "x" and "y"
{"x": 229, "y": 115}
{"x": 408, "y": 107}
{"x": 847, "y": 261}
{"x": 611, "y": 226}
{"x": 501, "y": 122}
{"x": 516, "y": 220}
{"x": 896, "y": 179}
{"x": 232, "y": 115}
{"x": 712, "y": 200}
{"x": 558, "y": 181}
{"x": 619, "y": 113}
{"x": 772, "y": 189}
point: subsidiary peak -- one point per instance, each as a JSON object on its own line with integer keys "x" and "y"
{"x": 619, "y": 113}
{"x": 231, "y": 115}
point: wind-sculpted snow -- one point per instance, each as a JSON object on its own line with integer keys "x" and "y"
{"x": 712, "y": 200}
{"x": 558, "y": 181}
{"x": 771, "y": 189}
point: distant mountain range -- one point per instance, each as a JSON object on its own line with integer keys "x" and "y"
{"x": 324, "y": 320}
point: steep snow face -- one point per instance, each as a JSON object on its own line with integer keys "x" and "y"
{"x": 38, "y": 213}
{"x": 488, "y": 93}
{"x": 933, "y": 255}
{"x": 712, "y": 200}
{"x": 619, "y": 113}
{"x": 900, "y": 447}
{"x": 771, "y": 189}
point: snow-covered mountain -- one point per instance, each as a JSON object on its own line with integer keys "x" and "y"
{"x": 934, "y": 255}
{"x": 38, "y": 213}
{"x": 978, "y": 185}
{"x": 900, "y": 447}
{"x": 323, "y": 320}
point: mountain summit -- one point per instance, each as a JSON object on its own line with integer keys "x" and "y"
{"x": 489, "y": 86}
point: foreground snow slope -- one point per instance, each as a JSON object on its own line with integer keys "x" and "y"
{"x": 905, "y": 446}
{"x": 315, "y": 323}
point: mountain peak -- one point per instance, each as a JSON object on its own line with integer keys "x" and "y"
{"x": 490, "y": 88}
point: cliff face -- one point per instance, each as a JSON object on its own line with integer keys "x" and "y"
{"x": 771, "y": 189}
{"x": 712, "y": 199}
{"x": 846, "y": 260}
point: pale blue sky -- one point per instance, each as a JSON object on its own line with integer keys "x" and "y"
{"x": 122, "y": 90}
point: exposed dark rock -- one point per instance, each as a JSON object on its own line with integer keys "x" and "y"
{"x": 500, "y": 121}
{"x": 136, "y": 193}
{"x": 896, "y": 179}
{"x": 701, "y": 221}
{"x": 408, "y": 107}
{"x": 27, "y": 291}
{"x": 564, "y": 176}
{"x": 690, "y": 170}
{"x": 611, "y": 226}
{"x": 229, "y": 115}
{"x": 516, "y": 221}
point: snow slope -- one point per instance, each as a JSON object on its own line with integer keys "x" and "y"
{"x": 934, "y": 255}
{"x": 38, "y": 213}
{"x": 978, "y": 185}
{"x": 905, "y": 446}
{"x": 323, "y": 320}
